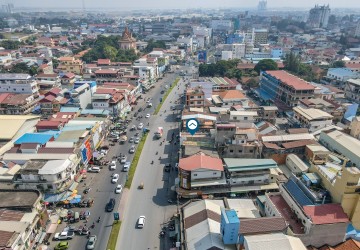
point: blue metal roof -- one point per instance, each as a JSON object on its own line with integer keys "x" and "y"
{"x": 79, "y": 83}
{"x": 69, "y": 109}
{"x": 297, "y": 194}
{"x": 41, "y": 138}
{"x": 51, "y": 132}
{"x": 342, "y": 72}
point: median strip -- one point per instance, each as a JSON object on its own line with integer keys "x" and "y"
{"x": 134, "y": 162}
{"x": 166, "y": 95}
{"x": 115, "y": 229}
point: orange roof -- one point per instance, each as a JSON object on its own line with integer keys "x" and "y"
{"x": 326, "y": 214}
{"x": 104, "y": 61}
{"x": 291, "y": 80}
{"x": 201, "y": 160}
{"x": 350, "y": 244}
{"x": 66, "y": 58}
{"x": 231, "y": 94}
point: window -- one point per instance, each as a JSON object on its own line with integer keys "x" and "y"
{"x": 195, "y": 174}
{"x": 191, "y": 97}
{"x": 191, "y": 102}
{"x": 245, "y": 118}
{"x": 214, "y": 173}
{"x": 234, "y": 118}
{"x": 251, "y": 151}
{"x": 240, "y": 151}
{"x": 199, "y": 102}
{"x": 231, "y": 151}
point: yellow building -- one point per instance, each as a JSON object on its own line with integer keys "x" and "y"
{"x": 127, "y": 41}
{"x": 70, "y": 64}
{"x": 342, "y": 181}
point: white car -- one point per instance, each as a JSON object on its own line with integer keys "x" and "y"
{"x": 113, "y": 165}
{"x": 123, "y": 159}
{"x": 118, "y": 189}
{"x": 64, "y": 236}
{"x": 115, "y": 178}
{"x": 132, "y": 149}
{"x": 140, "y": 126}
{"x": 137, "y": 140}
{"x": 141, "y": 221}
{"x": 126, "y": 166}
{"x": 147, "y": 116}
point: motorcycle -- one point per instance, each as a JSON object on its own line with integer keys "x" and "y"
{"x": 152, "y": 162}
{"x": 156, "y": 153}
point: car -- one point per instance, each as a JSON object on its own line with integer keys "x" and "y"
{"x": 93, "y": 169}
{"x": 141, "y": 221}
{"x": 140, "y": 126}
{"x": 149, "y": 105}
{"x": 123, "y": 159}
{"x": 147, "y": 116}
{"x": 135, "y": 114}
{"x": 83, "y": 230}
{"x": 126, "y": 166}
{"x": 113, "y": 165}
{"x": 137, "y": 140}
{"x": 131, "y": 140}
{"x": 91, "y": 242}
{"x": 118, "y": 189}
{"x": 140, "y": 109}
{"x": 167, "y": 167}
{"x": 162, "y": 92}
{"x": 115, "y": 178}
{"x": 64, "y": 236}
{"x": 132, "y": 149}
{"x": 148, "y": 100}
{"x": 62, "y": 245}
{"x": 110, "y": 205}
{"x": 87, "y": 190}
{"x": 173, "y": 108}
{"x": 86, "y": 203}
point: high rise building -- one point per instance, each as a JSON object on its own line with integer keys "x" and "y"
{"x": 262, "y": 6}
{"x": 319, "y": 16}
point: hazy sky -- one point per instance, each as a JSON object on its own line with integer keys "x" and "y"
{"x": 165, "y": 4}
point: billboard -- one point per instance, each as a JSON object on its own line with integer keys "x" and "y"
{"x": 202, "y": 56}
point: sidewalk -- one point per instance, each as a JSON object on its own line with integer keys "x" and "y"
{"x": 123, "y": 201}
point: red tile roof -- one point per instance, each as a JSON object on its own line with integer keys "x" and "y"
{"x": 326, "y": 214}
{"x": 105, "y": 71}
{"x": 231, "y": 94}
{"x": 291, "y": 80}
{"x": 201, "y": 161}
{"x": 262, "y": 225}
{"x": 56, "y": 150}
{"x": 104, "y": 61}
{"x": 5, "y": 237}
{"x": 48, "y": 124}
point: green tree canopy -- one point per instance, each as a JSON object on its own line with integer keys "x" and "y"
{"x": 8, "y": 44}
{"x": 23, "y": 68}
{"x": 221, "y": 68}
{"x": 154, "y": 44}
{"x": 265, "y": 64}
{"x": 338, "y": 64}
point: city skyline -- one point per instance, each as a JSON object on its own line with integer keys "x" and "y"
{"x": 161, "y": 4}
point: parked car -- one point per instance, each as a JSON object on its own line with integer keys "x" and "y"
{"x": 83, "y": 230}
{"x": 141, "y": 221}
{"x": 131, "y": 140}
{"x": 167, "y": 167}
{"x": 147, "y": 116}
{"x": 115, "y": 178}
{"x": 62, "y": 245}
{"x": 118, "y": 189}
{"x": 126, "y": 166}
{"x": 137, "y": 140}
{"x": 86, "y": 203}
{"x": 110, "y": 205}
{"x": 140, "y": 126}
{"x": 113, "y": 165}
{"x": 93, "y": 169}
{"x": 91, "y": 242}
{"x": 64, "y": 236}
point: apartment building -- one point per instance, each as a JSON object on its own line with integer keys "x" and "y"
{"x": 195, "y": 97}
{"x": 311, "y": 118}
{"x": 17, "y": 104}
{"x": 352, "y": 90}
{"x": 70, "y": 64}
{"x": 283, "y": 88}
{"x": 18, "y": 83}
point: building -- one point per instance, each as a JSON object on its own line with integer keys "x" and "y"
{"x": 260, "y": 36}
{"x": 319, "y": 16}
{"x": 338, "y": 76}
{"x": 273, "y": 241}
{"x": 222, "y": 25}
{"x": 45, "y": 41}
{"x": 283, "y": 88}
{"x": 201, "y": 170}
{"x": 311, "y": 118}
{"x": 355, "y": 127}
{"x": 343, "y": 144}
{"x": 18, "y": 83}
{"x": 127, "y": 41}
{"x": 17, "y": 104}
{"x": 262, "y": 5}
{"x": 71, "y": 65}
{"x": 51, "y": 176}
{"x": 352, "y": 90}
{"x": 195, "y": 97}
{"x": 79, "y": 97}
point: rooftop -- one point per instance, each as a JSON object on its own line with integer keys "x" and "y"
{"x": 18, "y": 198}
{"x": 277, "y": 241}
{"x": 291, "y": 80}
{"x": 312, "y": 113}
{"x": 201, "y": 161}
{"x": 14, "y": 76}
{"x": 10, "y": 125}
{"x": 262, "y": 225}
{"x": 326, "y": 214}
{"x": 237, "y": 164}
{"x": 55, "y": 166}
{"x": 41, "y": 138}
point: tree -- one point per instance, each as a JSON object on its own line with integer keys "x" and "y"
{"x": 265, "y": 64}
{"x": 55, "y": 63}
{"x": 7, "y": 44}
{"x": 252, "y": 83}
{"x": 154, "y": 44}
{"x": 110, "y": 52}
{"x": 338, "y": 64}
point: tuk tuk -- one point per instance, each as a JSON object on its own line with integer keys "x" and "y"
{"x": 141, "y": 186}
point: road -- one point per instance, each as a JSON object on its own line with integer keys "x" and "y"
{"x": 101, "y": 187}
{"x": 152, "y": 200}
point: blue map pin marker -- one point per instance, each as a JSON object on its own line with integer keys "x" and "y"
{"x": 192, "y": 126}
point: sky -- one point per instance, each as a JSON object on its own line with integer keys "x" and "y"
{"x": 166, "y": 4}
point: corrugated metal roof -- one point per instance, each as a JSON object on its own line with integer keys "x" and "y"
{"x": 237, "y": 164}
{"x": 40, "y": 138}
{"x": 294, "y": 137}
{"x": 262, "y": 225}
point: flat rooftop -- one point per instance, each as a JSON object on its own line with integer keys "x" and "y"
{"x": 291, "y": 80}
{"x": 18, "y": 198}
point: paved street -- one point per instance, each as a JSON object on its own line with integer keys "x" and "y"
{"x": 152, "y": 200}
{"x": 102, "y": 188}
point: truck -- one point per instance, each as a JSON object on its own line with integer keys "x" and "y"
{"x": 159, "y": 133}
{"x": 123, "y": 139}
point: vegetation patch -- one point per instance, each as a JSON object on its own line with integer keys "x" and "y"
{"x": 113, "y": 235}
{"x": 166, "y": 95}
{"x": 134, "y": 163}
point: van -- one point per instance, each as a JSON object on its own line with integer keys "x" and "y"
{"x": 77, "y": 217}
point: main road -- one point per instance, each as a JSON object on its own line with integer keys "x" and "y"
{"x": 152, "y": 201}
{"x": 101, "y": 187}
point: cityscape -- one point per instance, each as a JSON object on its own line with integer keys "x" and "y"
{"x": 153, "y": 125}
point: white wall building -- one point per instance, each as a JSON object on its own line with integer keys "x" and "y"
{"x": 18, "y": 83}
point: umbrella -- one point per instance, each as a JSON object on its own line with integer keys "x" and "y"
{"x": 74, "y": 201}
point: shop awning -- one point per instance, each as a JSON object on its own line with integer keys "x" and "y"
{"x": 73, "y": 186}
{"x": 75, "y": 201}
{"x": 52, "y": 228}
{"x": 57, "y": 197}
